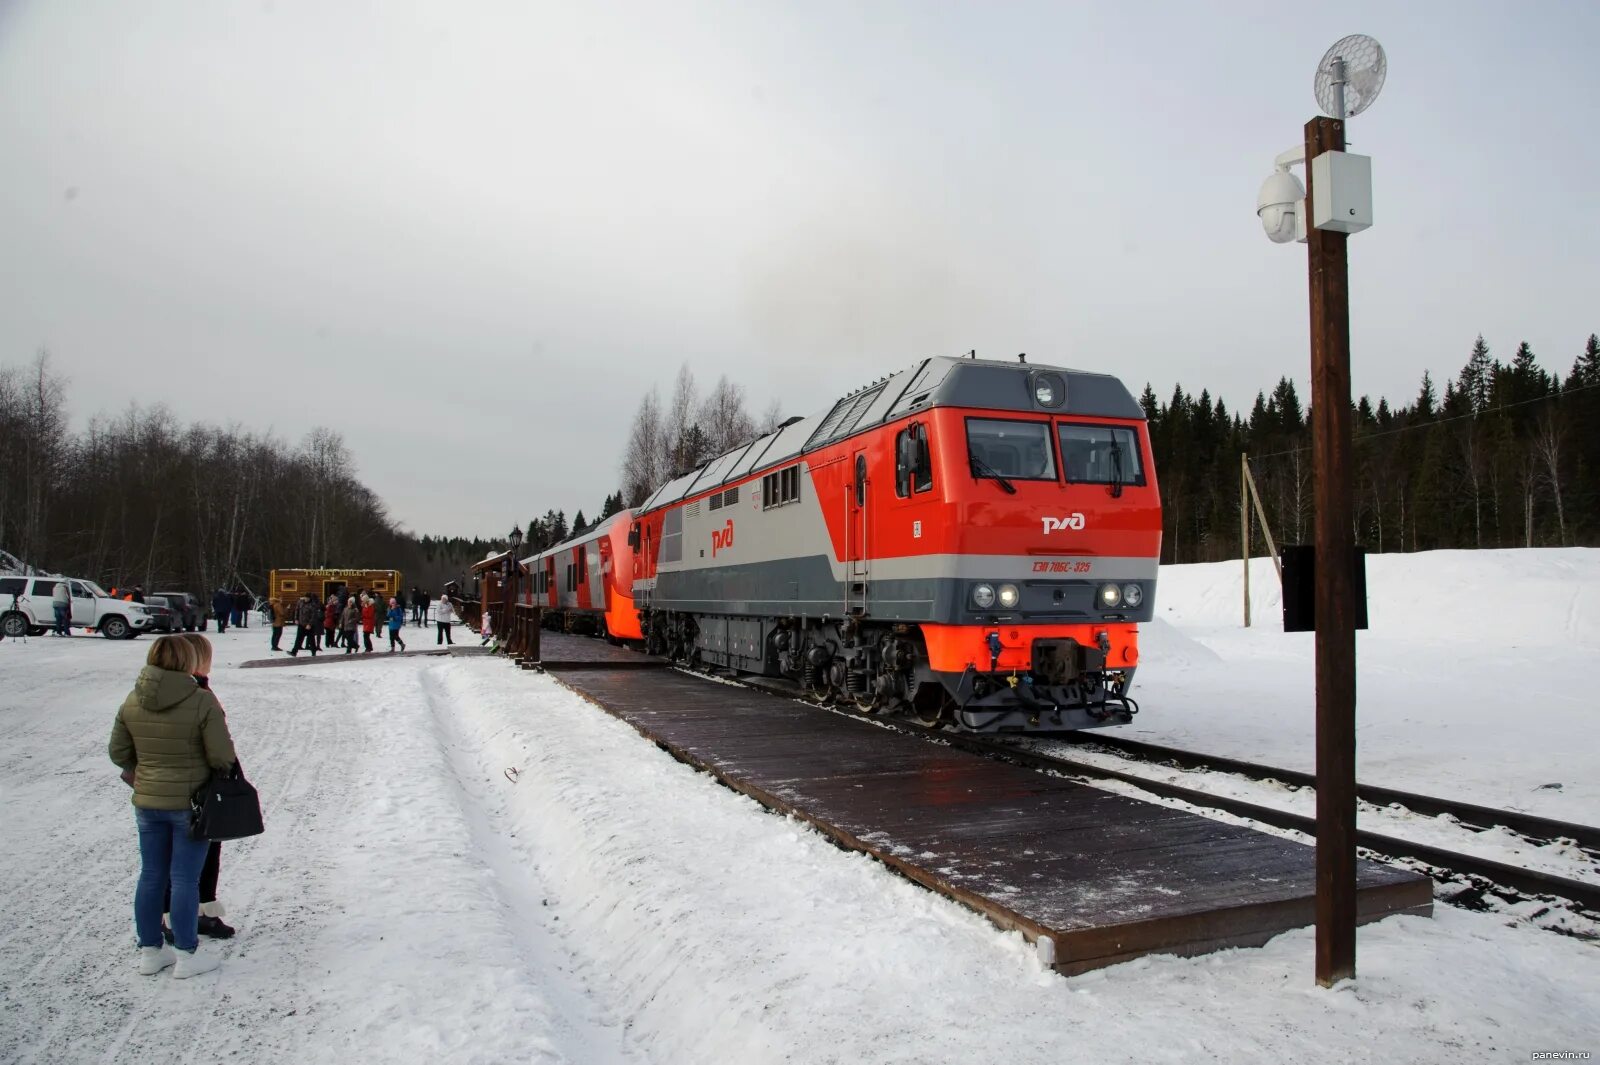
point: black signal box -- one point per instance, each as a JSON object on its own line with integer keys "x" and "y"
{"x": 1300, "y": 587}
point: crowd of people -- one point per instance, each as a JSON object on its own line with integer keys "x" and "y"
{"x": 231, "y": 608}
{"x": 349, "y": 618}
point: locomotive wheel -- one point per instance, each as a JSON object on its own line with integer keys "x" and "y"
{"x": 931, "y": 712}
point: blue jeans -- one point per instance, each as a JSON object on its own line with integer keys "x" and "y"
{"x": 167, "y": 853}
{"x": 63, "y": 619}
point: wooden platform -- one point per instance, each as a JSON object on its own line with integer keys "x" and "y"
{"x": 1093, "y": 878}
{"x": 560, "y": 652}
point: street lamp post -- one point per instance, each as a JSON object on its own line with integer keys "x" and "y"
{"x": 511, "y": 570}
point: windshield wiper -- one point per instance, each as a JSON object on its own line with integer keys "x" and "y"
{"x": 981, "y": 468}
{"x": 1116, "y": 466}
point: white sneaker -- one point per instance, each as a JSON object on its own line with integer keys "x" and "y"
{"x": 153, "y": 959}
{"x": 194, "y": 962}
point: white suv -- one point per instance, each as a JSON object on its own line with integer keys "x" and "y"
{"x": 27, "y": 609}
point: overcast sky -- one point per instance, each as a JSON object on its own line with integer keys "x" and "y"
{"x": 470, "y": 236}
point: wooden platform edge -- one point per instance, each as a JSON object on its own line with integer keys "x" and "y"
{"x": 1076, "y": 952}
{"x": 338, "y": 655}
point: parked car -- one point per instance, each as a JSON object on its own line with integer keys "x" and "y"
{"x": 26, "y": 608}
{"x": 187, "y": 606}
{"x": 162, "y": 618}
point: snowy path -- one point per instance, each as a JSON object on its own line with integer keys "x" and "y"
{"x": 409, "y": 902}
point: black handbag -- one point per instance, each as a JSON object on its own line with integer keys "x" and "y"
{"x": 227, "y": 807}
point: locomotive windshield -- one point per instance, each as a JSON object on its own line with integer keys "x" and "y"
{"x": 1011, "y": 449}
{"x": 1101, "y": 454}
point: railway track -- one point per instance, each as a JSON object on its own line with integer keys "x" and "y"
{"x": 1483, "y": 818}
{"x": 1443, "y": 863}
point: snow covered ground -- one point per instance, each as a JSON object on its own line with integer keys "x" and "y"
{"x": 465, "y": 863}
{"x": 1476, "y": 679}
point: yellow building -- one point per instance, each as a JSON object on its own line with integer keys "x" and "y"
{"x": 287, "y": 585}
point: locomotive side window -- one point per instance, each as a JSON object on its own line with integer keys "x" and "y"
{"x": 781, "y": 488}
{"x": 913, "y": 468}
{"x": 672, "y": 536}
{"x": 1101, "y": 454}
{"x": 1015, "y": 450}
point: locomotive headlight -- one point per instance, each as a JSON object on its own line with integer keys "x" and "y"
{"x": 983, "y": 596}
{"x": 1132, "y": 595}
{"x": 1048, "y": 390}
{"x": 1110, "y": 597}
{"x": 1009, "y": 596}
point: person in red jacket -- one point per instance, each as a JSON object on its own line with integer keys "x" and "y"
{"x": 369, "y": 621}
{"x": 330, "y": 622}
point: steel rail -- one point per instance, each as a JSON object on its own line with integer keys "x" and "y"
{"x": 1542, "y": 829}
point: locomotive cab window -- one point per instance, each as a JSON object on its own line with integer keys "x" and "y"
{"x": 1101, "y": 454}
{"x": 1015, "y": 450}
{"x": 913, "y": 468}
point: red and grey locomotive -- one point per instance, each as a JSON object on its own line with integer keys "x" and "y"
{"x": 967, "y": 541}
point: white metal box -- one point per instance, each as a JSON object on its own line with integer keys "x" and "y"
{"x": 1341, "y": 192}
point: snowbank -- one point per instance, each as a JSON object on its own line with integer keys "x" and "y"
{"x": 1473, "y": 680}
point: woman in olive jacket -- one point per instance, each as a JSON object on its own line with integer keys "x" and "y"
{"x": 171, "y": 733}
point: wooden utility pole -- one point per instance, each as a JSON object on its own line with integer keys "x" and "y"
{"x": 1335, "y": 580}
{"x": 1244, "y": 528}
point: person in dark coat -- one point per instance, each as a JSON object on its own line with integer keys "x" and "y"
{"x": 307, "y": 616}
{"x": 422, "y": 610}
{"x": 350, "y": 624}
{"x": 211, "y": 908}
{"x": 138, "y": 593}
{"x": 222, "y": 608}
{"x": 241, "y": 608}
{"x": 416, "y": 606}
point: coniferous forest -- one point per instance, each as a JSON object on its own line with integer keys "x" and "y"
{"x": 1506, "y": 453}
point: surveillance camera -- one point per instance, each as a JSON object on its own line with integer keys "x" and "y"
{"x": 1277, "y": 205}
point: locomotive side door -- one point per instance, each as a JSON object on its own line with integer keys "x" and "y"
{"x": 856, "y": 523}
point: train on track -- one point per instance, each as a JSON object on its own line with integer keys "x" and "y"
{"x": 969, "y": 542}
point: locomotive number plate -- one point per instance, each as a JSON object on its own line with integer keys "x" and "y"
{"x": 1063, "y": 567}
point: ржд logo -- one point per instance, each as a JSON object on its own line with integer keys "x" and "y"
{"x": 1073, "y": 521}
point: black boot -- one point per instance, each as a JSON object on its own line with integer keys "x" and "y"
{"x": 213, "y": 927}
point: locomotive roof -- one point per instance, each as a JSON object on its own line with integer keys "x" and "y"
{"x": 940, "y": 381}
